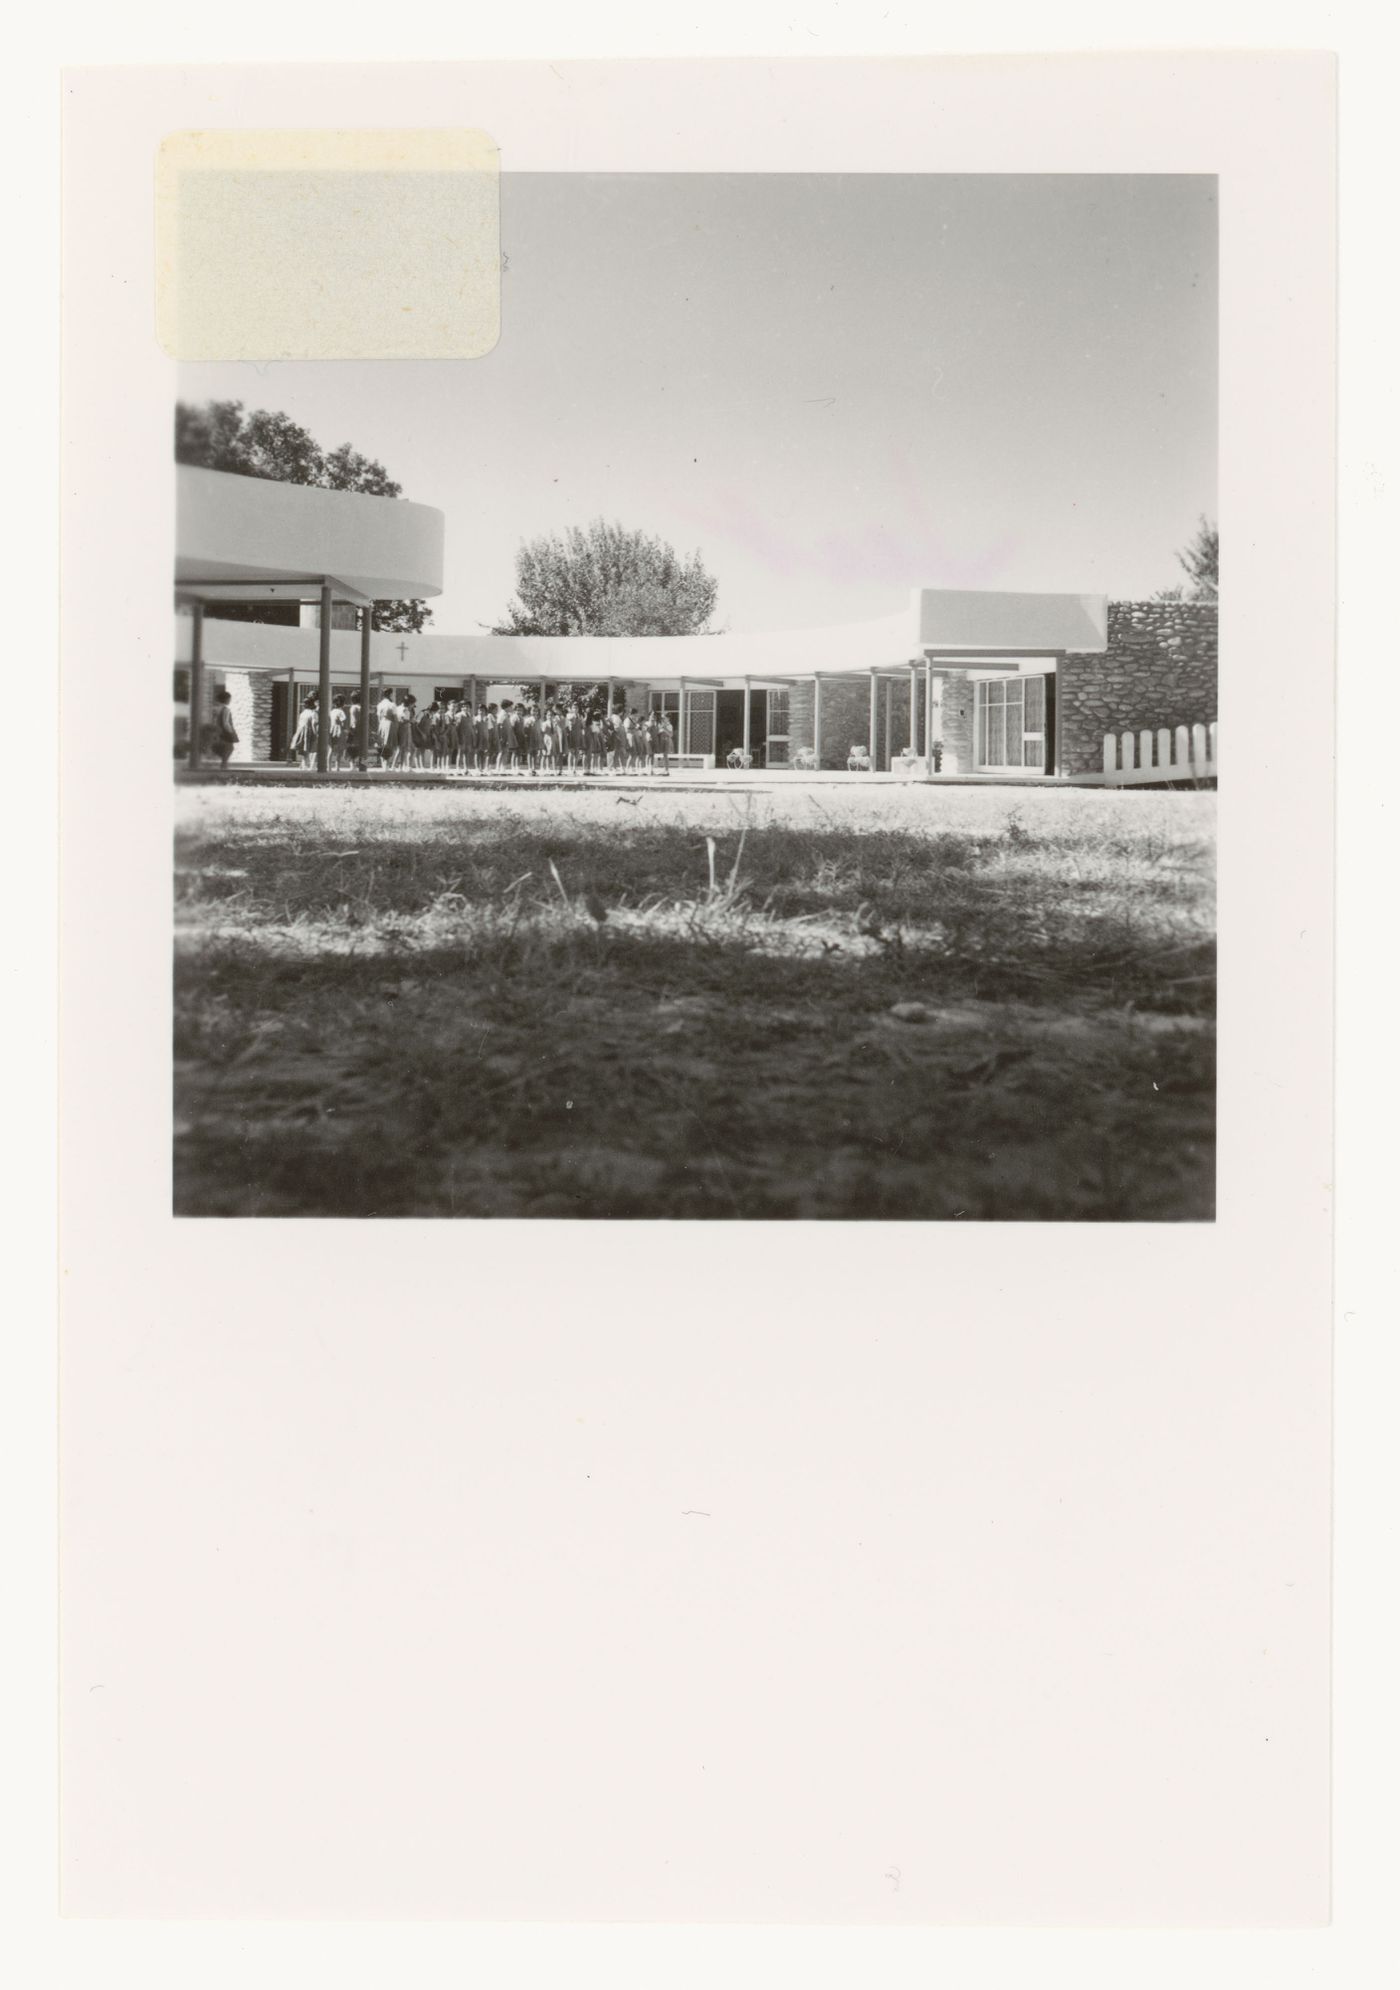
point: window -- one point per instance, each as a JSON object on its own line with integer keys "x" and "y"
{"x": 700, "y": 730}
{"x": 779, "y": 727}
{"x": 182, "y": 684}
{"x": 668, "y": 702}
{"x": 1011, "y": 723}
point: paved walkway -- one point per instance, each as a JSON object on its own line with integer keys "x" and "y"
{"x": 756, "y": 781}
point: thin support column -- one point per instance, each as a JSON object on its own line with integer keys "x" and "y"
{"x": 817, "y": 721}
{"x": 913, "y": 708}
{"x": 874, "y": 720}
{"x": 928, "y": 714}
{"x": 366, "y": 628}
{"x": 196, "y": 682}
{"x": 748, "y": 720}
{"x": 684, "y": 746}
{"x": 889, "y": 725}
{"x": 323, "y": 702}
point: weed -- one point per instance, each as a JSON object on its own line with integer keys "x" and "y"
{"x": 384, "y": 999}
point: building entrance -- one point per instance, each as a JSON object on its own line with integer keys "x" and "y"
{"x": 729, "y": 724}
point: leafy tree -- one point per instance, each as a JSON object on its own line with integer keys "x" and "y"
{"x": 403, "y": 617}
{"x": 1200, "y": 561}
{"x": 222, "y": 435}
{"x": 607, "y": 581}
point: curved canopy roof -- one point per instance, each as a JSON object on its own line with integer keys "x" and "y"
{"x": 248, "y": 539}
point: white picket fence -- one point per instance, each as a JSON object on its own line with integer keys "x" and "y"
{"x": 1190, "y": 753}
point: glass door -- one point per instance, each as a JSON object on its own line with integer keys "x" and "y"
{"x": 1011, "y": 723}
{"x": 1033, "y": 726}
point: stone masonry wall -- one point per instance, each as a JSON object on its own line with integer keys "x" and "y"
{"x": 1159, "y": 670}
{"x": 959, "y": 701}
{"x": 800, "y": 720}
{"x": 845, "y": 717}
{"x": 250, "y": 698}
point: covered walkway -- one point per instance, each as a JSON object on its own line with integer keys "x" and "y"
{"x": 250, "y": 542}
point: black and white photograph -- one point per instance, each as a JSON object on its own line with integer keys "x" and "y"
{"x": 743, "y": 747}
{"x": 644, "y": 659}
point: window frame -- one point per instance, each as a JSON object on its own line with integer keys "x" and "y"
{"x": 1002, "y": 681}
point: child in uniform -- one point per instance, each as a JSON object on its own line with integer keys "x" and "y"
{"x": 387, "y": 713}
{"x": 304, "y": 738}
{"x": 339, "y": 726}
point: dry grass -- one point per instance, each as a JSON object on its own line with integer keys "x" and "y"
{"x": 466, "y": 1003}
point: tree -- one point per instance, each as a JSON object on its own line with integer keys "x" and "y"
{"x": 607, "y": 581}
{"x": 1200, "y": 561}
{"x": 221, "y": 435}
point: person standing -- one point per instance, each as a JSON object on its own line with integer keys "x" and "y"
{"x": 411, "y": 737}
{"x": 304, "y": 738}
{"x": 340, "y": 733}
{"x": 403, "y": 733}
{"x": 387, "y": 713}
{"x": 665, "y": 739}
{"x": 225, "y": 732}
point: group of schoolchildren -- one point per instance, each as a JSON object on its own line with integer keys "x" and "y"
{"x": 557, "y": 736}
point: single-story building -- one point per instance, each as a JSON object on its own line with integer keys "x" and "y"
{"x": 994, "y": 685}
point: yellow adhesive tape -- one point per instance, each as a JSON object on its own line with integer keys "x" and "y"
{"x": 328, "y": 245}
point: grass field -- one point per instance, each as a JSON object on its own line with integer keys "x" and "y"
{"x": 962, "y": 1004}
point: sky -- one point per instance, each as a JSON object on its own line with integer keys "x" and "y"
{"x": 836, "y": 387}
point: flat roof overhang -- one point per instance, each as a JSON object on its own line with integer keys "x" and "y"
{"x": 957, "y": 621}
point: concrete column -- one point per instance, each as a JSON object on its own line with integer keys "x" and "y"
{"x": 196, "y": 682}
{"x": 748, "y": 716}
{"x": 928, "y": 713}
{"x": 323, "y": 703}
{"x": 683, "y": 745}
{"x": 874, "y": 719}
{"x": 913, "y": 708}
{"x": 817, "y": 720}
{"x": 366, "y": 627}
{"x": 889, "y": 725}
